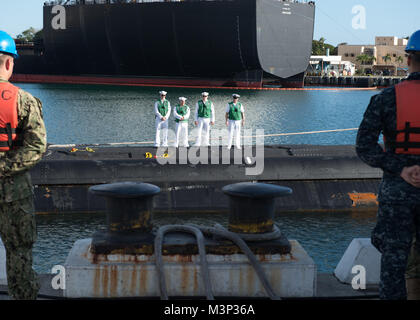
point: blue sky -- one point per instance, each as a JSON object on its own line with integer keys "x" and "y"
{"x": 333, "y": 18}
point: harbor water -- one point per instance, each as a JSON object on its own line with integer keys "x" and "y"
{"x": 325, "y": 236}
{"x": 76, "y": 114}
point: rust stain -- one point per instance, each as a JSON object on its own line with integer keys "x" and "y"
{"x": 250, "y": 279}
{"x": 363, "y": 199}
{"x": 195, "y": 280}
{"x": 104, "y": 282}
{"x": 144, "y": 279}
{"x": 262, "y": 258}
{"x": 133, "y": 282}
{"x": 184, "y": 278}
{"x": 264, "y": 226}
{"x": 114, "y": 281}
{"x": 96, "y": 282}
{"x": 183, "y": 258}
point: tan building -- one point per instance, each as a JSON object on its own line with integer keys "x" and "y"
{"x": 389, "y": 53}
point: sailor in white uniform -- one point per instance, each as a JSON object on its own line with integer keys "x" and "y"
{"x": 162, "y": 113}
{"x": 181, "y": 114}
{"x": 235, "y": 117}
{"x": 204, "y": 117}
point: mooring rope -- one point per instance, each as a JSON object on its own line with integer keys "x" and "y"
{"x": 220, "y": 231}
{"x": 201, "y": 249}
{"x": 198, "y": 231}
{"x": 152, "y": 142}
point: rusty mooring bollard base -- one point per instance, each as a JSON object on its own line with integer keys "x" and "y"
{"x": 109, "y": 243}
{"x": 130, "y": 243}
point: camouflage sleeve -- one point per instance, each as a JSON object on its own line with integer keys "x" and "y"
{"x": 367, "y": 147}
{"x": 31, "y": 121}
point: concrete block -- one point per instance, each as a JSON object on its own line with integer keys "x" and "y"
{"x": 3, "y": 275}
{"x": 111, "y": 276}
{"x": 360, "y": 252}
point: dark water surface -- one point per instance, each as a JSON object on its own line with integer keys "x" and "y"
{"x": 88, "y": 114}
{"x": 325, "y": 236}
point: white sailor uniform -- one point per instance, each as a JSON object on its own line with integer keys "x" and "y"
{"x": 204, "y": 114}
{"x": 162, "y": 109}
{"x": 181, "y": 125}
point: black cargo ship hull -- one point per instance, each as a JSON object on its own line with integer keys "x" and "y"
{"x": 232, "y": 43}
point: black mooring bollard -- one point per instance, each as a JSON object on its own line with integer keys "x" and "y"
{"x": 129, "y": 208}
{"x": 252, "y": 207}
{"x": 129, "y": 205}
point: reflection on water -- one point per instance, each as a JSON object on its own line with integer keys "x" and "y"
{"x": 105, "y": 114}
{"x": 325, "y": 236}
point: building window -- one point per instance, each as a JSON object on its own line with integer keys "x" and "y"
{"x": 352, "y": 54}
{"x": 346, "y": 55}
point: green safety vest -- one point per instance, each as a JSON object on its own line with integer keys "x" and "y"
{"x": 163, "y": 107}
{"x": 182, "y": 111}
{"x": 204, "y": 109}
{"x": 235, "y": 111}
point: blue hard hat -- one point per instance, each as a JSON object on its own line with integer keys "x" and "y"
{"x": 414, "y": 43}
{"x": 7, "y": 45}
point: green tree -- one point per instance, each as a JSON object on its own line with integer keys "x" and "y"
{"x": 399, "y": 60}
{"x": 38, "y": 36}
{"x": 27, "y": 35}
{"x": 387, "y": 58}
{"x": 365, "y": 59}
{"x": 333, "y": 50}
{"x": 319, "y": 48}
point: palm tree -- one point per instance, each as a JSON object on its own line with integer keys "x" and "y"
{"x": 387, "y": 58}
{"x": 400, "y": 61}
{"x": 370, "y": 60}
{"x": 365, "y": 59}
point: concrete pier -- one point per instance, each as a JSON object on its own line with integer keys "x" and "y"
{"x": 112, "y": 276}
{"x": 352, "y": 81}
{"x": 327, "y": 287}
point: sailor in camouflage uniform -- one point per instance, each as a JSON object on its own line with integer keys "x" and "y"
{"x": 395, "y": 112}
{"x": 22, "y": 144}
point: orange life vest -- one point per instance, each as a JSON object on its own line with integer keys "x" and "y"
{"x": 9, "y": 134}
{"x": 407, "y": 135}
